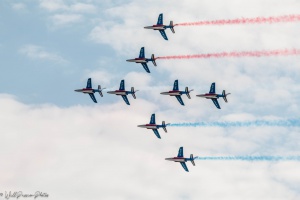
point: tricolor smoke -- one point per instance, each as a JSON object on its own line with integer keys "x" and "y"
{"x": 257, "y": 20}
{"x": 281, "y": 123}
{"x": 264, "y": 53}
{"x": 251, "y": 158}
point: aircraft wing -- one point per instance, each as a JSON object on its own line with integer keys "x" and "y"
{"x": 152, "y": 120}
{"x": 89, "y": 83}
{"x": 212, "y": 88}
{"x": 180, "y": 152}
{"x": 160, "y": 19}
{"x": 156, "y": 133}
{"x": 122, "y": 85}
{"x": 163, "y": 34}
{"x": 125, "y": 99}
{"x": 93, "y": 97}
{"x": 142, "y": 53}
{"x": 184, "y": 166}
{"x": 175, "y": 87}
{"x": 180, "y": 100}
{"x": 146, "y": 67}
{"x": 216, "y": 103}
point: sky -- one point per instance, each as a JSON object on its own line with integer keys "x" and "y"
{"x": 58, "y": 141}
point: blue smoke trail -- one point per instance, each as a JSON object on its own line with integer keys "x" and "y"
{"x": 282, "y": 123}
{"x": 251, "y": 158}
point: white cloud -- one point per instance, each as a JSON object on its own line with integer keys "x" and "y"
{"x": 18, "y": 6}
{"x": 38, "y": 52}
{"x": 53, "y": 5}
{"x": 60, "y": 5}
{"x": 100, "y": 145}
{"x": 257, "y": 84}
{"x": 101, "y": 77}
{"x": 63, "y": 19}
{"x": 65, "y": 12}
{"x": 83, "y": 7}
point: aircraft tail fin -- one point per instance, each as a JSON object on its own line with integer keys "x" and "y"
{"x": 192, "y": 159}
{"x": 225, "y": 96}
{"x": 172, "y": 26}
{"x": 100, "y": 90}
{"x": 153, "y": 59}
{"x": 133, "y": 92}
{"x": 164, "y": 126}
{"x": 187, "y": 92}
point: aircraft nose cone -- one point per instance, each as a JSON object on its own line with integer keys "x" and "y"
{"x": 200, "y": 95}
{"x": 168, "y": 159}
{"x": 78, "y": 90}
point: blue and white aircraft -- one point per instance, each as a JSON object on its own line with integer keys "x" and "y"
{"x": 141, "y": 59}
{"x": 213, "y": 96}
{"x": 175, "y": 92}
{"x": 182, "y": 160}
{"x": 123, "y": 92}
{"x": 152, "y": 125}
{"x": 89, "y": 90}
{"x": 161, "y": 28}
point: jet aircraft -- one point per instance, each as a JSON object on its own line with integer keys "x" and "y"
{"x": 182, "y": 160}
{"x": 152, "y": 125}
{"x": 175, "y": 92}
{"x": 213, "y": 96}
{"x": 141, "y": 59}
{"x": 161, "y": 28}
{"x": 123, "y": 92}
{"x": 89, "y": 90}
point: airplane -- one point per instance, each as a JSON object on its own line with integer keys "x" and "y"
{"x": 152, "y": 125}
{"x": 141, "y": 59}
{"x": 161, "y": 28}
{"x": 89, "y": 90}
{"x": 124, "y": 93}
{"x": 213, "y": 96}
{"x": 175, "y": 92}
{"x": 182, "y": 159}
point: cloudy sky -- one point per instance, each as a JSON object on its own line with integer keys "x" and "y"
{"x": 58, "y": 141}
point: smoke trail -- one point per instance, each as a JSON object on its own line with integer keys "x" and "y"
{"x": 282, "y": 52}
{"x": 281, "y": 123}
{"x": 251, "y": 158}
{"x": 257, "y": 20}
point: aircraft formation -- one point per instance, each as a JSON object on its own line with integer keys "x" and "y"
{"x": 174, "y": 92}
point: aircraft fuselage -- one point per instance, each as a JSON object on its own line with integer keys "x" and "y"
{"x": 177, "y": 159}
{"x": 148, "y": 126}
{"x": 172, "y": 93}
{"x": 156, "y": 27}
{"x": 86, "y": 90}
{"x": 208, "y": 96}
{"x": 118, "y": 92}
{"x": 138, "y": 60}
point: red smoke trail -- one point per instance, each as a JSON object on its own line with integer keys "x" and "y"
{"x": 257, "y": 20}
{"x": 284, "y": 52}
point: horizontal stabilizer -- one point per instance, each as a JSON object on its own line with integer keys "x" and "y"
{"x": 192, "y": 159}
{"x": 133, "y": 92}
{"x": 172, "y": 26}
{"x": 100, "y": 90}
{"x": 164, "y": 126}
{"x": 153, "y": 60}
{"x": 225, "y": 96}
{"x": 187, "y": 92}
